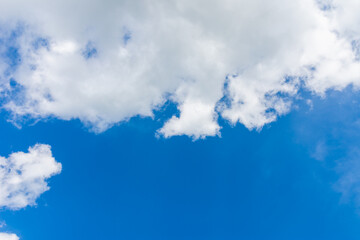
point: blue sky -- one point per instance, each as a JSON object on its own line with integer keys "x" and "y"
{"x": 186, "y": 119}
{"x": 127, "y": 184}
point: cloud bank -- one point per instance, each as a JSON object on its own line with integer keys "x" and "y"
{"x": 104, "y": 62}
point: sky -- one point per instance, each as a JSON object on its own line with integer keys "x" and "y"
{"x": 179, "y": 119}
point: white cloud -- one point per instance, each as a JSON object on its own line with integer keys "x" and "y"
{"x": 194, "y": 121}
{"x": 23, "y": 176}
{"x": 8, "y": 236}
{"x": 23, "y": 179}
{"x": 182, "y": 49}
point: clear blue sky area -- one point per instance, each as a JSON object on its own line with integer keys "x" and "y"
{"x": 280, "y": 183}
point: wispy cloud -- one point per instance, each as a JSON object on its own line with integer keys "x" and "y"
{"x": 23, "y": 176}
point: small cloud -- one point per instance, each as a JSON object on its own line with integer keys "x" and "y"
{"x": 320, "y": 152}
{"x": 8, "y": 236}
{"x": 23, "y": 176}
{"x": 310, "y": 103}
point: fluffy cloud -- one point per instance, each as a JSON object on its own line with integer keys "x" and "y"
{"x": 8, "y": 236}
{"x": 105, "y": 62}
{"x": 23, "y": 176}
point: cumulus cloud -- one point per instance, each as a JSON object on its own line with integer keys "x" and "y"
{"x": 23, "y": 179}
{"x": 106, "y": 61}
{"x": 23, "y": 176}
{"x": 8, "y": 236}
